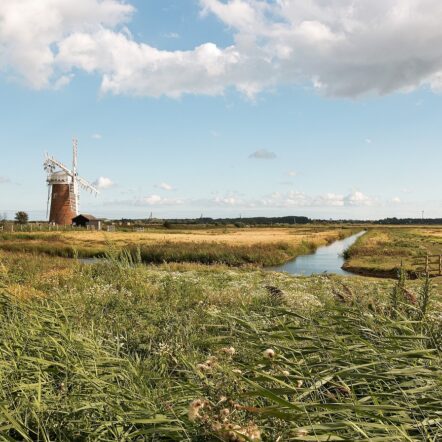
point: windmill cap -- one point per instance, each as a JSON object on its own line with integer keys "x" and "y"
{"x": 60, "y": 177}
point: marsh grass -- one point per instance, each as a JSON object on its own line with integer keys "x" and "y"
{"x": 119, "y": 351}
{"x": 382, "y": 250}
{"x": 260, "y": 247}
{"x": 344, "y": 375}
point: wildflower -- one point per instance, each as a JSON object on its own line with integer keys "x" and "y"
{"x": 299, "y": 383}
{"x": 232, "y": 432}
{"x": 203, "y": 367}
{"x": 285, "y": 372}
{"x": 239, "y": 434}
{"x": 216, "y": 427}
{"x": 253, "y": 433}
{"x": 211, "y": 361}
{"x": 208, "y": 365}
{"x": 269, "y": 353}
{"x": 194, "y": 409}
{"x": 224, "y": 412}
{"x": 230, "y": 351}
{"x": 301, "y": 432}
{"x": 222, "y": 399}
{"x": 236, "y": 371}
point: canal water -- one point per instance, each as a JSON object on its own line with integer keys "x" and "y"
{"x": 327, "y": 259}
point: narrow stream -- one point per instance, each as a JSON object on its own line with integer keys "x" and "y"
{"x": 327, "y": 259}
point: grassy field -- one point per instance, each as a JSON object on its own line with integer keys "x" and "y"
{"x": 232, "y": 246}
{"x": 123, "y": 351}
{"x": 382, "y": 250}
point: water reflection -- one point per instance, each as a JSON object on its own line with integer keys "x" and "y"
{"x": 327, "y": 259}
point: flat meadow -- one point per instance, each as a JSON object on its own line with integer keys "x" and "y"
{"x": 231, "y": 246}
{"x": 383, "y": 249}
{"x": 126, "y": 349}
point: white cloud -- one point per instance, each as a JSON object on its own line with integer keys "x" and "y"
{"x": 341, "y": 47}
{"x": 396, "y": 200}
{"x": 31, "y": 30}
{"x": 292, "y": 173}
{"x": 293, "y": 199}
{"x": 4, "y": 180}
{"x": 165, "y": 186}
{"x": 97, "y": 136}
{"x": 358, "y": 199}
{"x": 157, "y": 200}
{"x": 368, "y": 141}
{"x": 103, "y": 183}
{"x": 353, "y": 202}
{"x": 263, "y": 154}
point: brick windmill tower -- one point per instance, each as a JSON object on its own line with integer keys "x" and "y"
{"x": 63, "y": 188}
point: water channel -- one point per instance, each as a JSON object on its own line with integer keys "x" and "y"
{"x": 327, "y": 259}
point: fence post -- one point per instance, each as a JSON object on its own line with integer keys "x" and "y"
{"x": 427, "y": 265}
{"x": 440, "y": 265}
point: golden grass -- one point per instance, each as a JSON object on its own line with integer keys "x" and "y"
{"x": 233, "y": 246}
{"x": 231, "y": 236}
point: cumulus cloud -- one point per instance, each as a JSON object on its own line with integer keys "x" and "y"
{"x": 301, "y": 199}
{"x": 165, "y": 186}
{"x": 148, "y": 201}
{"x": 293, "y": 199}
{"x": 157, "y": 200}
{"x": 358, "y": 199}
{"x": 277, "y": 200}
{"x": 103, "y": 183}
{"x": 340, "y": 47}
{"x": 30, "y": 32}
{"x": 263, "y": 154}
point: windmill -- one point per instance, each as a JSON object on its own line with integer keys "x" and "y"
{"x": 63, "y": 188}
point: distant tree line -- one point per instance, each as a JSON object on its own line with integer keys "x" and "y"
{"x": 250, "y": 221}
{"x": 411, "y": 221}
{"x": 282, "y": 220}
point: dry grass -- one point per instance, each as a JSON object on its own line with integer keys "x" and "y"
{"x": 229, "y": 236}
{"x": 260, "y": 246}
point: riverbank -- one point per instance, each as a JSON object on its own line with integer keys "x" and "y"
{"x": 383, "y": 250}
{"x": 231, "y": 246}
{"x": 326, "y": 259}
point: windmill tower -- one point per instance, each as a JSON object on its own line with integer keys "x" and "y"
{"x": 63, "y": 188}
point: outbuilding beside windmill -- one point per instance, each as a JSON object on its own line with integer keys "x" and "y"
{"x": 87, "y": 221}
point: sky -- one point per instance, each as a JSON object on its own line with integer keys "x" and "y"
{"x": 322, "y": 108}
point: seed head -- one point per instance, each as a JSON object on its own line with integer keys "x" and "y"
{"x": 230, "y": 351}
{"x": 194, "y": 410}
{"x": 224, "y": 412}
{"x": 203, "y": 367}
{"x": 269, "y": 353}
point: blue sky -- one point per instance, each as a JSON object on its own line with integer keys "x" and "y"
{"x": 222, "y": 130}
